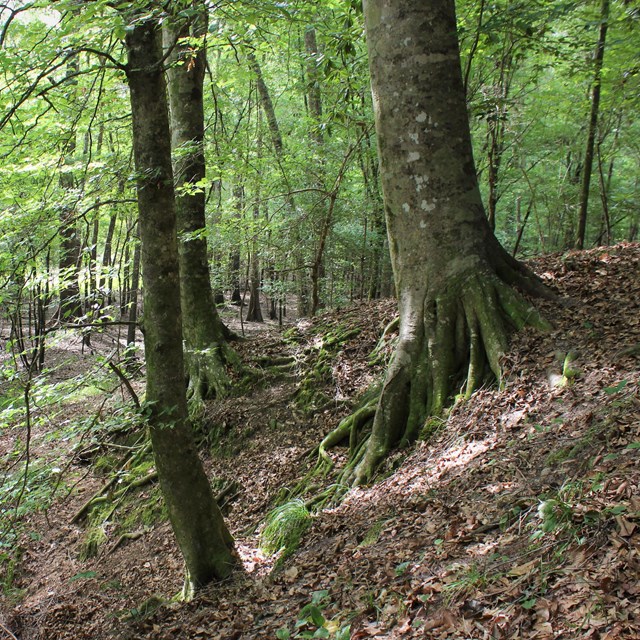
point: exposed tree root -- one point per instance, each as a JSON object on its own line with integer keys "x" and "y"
{"x": 206, "y": 373}
{"x": 446, "y": 337}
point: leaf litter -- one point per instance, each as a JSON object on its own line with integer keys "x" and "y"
{"x": 519, "y": 518}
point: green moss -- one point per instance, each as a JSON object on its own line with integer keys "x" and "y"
{"x": 372, "y": 535}
{"x": 106, "y": 463}
{"x": 431, "y": 427}
{"x": 90, "y": 545}
{"x": 145, "y": 513}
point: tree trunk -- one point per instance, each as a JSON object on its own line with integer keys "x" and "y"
{"x": 453, "y": 279}
{"x": 201, "y": 533}
{"x": 70, "y": 244}
{"x": 314, "y": 97}
{"x": 234, "y": 256}
{"x": 206, "y": 348}
{"x": 254, "y": 311}
{"x": 278, "y": 146}
{"x": 105, "y": 279}
{"x": 132, "y": 304}
{"x": 593, "y": 126}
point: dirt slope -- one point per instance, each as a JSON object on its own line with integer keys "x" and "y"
{"x": 519, "y": 518}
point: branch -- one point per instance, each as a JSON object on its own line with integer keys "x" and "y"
{"x": 116, "y": 369}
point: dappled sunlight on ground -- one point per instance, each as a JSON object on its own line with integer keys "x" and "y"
{"x": 519, "y": 518}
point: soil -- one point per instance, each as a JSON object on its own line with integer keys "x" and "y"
{"x": 518, "y": 518}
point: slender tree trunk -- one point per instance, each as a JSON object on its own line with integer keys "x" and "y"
{"x": 254, "y": 312}
{"x": 234, "y": 257}
{"x": 105, "y": 278}
{"x": 70, "y": 244}
{"x": 207, "y": 351}
{"x": 278, "y": 146}
{"x": 132, "y": 304}
{"x": 201, "y": 533}
{"x": 453, "y": 279}
{"x": 593, "y": 125}
{"x": 314, "y": 98}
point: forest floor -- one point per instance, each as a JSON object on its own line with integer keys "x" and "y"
{"x": 518, "y": 518}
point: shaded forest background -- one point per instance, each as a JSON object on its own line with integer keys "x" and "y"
{"x": 292, "y": 189}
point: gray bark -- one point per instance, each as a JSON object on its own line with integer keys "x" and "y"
{"x": 453, "y": 279}
{"x": 200, "y": 531}
{"x": 207, "y": 350}
{"x": 593, "y": 125}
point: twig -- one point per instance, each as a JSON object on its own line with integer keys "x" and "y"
{"x": 7, "y": 631}
{"x": 126, "y": 383}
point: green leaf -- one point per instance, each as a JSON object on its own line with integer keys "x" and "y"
{"x": 283, "y": 634}
{"x": 318, "y": 597}
{"x": 83, "y": 575}
{"x": 618, "y": 387}
{"x": 529, "y": 604}
{"x": 344, "y": 633}
{"x": 617, "y": 510}
{"x": 310, "y": 613}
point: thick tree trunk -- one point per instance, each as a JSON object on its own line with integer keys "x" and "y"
{"x": 206, "y": 348}
{"x": 199, "y": 528}
{"x": 453, "y": 279}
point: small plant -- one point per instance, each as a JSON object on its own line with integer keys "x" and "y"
{"x": 469, "y": 579}
{"x": 312, "y": 623}
{"x": 564, "y": 513}
{"x": 285, "y": 527}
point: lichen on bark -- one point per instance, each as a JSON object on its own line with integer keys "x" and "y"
{"x": 207, "y": 350}
{"x": 460, "y": 295}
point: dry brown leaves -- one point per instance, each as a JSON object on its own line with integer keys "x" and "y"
{"x": 520, "y": 519}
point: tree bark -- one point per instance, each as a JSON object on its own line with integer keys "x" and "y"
{"x": 70, "y": 244}
{"x": 254, "y": 311}
{"x": 314, "y": 98}
{"x": 453, "y": 279}
{"x": 593, "y": 126}
{"x": 278, "y": 146}
{"x": 200, "y": 531}
{"x": 206, "y": 348}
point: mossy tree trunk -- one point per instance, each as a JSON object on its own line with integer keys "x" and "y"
{"x": 201, "y": 533}
{"x": 207, "y": 351}
{"x": 70, "y": 243}
{"x": 454, "y": 281}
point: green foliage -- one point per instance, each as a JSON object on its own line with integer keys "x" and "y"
{"x": 312, "y": 623}
{"x": 561, "y": 513}
{"x": 285, "y": 526}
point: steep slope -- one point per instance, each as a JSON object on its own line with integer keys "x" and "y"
{"x": 518, "y": 518}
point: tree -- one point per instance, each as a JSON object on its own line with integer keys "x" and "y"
{"x": 454, "y": 281}
{"x": 593, "y": 125}
{"x": 70, "y": 245}
{"x": 206, "y": 348}
{"x": 200, "y": 531}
